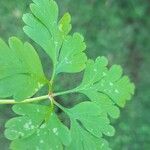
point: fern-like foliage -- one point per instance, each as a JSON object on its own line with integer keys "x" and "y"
{"x": 37, "y": 126}
{"x": 21, "y": 73}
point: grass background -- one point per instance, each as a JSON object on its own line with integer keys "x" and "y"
{"x": 118, "y": 30}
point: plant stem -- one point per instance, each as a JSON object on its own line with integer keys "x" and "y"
{"x": 60, "y": 106}
{"x": 36, "y": 99}
{"x": 49, "y": 112}
{"x": 30, "y": 100}
{"x": 53, "y": 101}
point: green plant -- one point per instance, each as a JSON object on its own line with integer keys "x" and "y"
{"x": 38, "y": 126}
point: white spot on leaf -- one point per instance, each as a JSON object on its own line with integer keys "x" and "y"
{"x": 56, "y": 43}
{"x": 102, "y": 145}
{"x": 43, "y": 126}
{"x": 38, "y": 132}
{"x": 104, "y": 74}
{"x": 29, "y": 126}
{"x": 55, "y": 131}
{"x": 95, "y": 70}
{"x": 57, "y": 146}
{"x": 41, "y": 141}
{"x": 116, "y": 91}
{"x": 67, "y": 61}
{"x": 36, "y": 89}
{"x": 26, "y": 126}
{"x": 111, "y": 84}
{"x": 37, "y": 148}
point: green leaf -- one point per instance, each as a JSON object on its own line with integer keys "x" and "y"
{"x": 21, "y": 74}
{"x": 100, "y": 82}
{"x": 88, "y": 124}
{"x": 42, "y": 26}
{"x": 104, "y": 101}
{"x": 72, "y": 58}
{"x": 64, "y": 24}
{"x": 37, "y": 127}
{"x": 83, "y": 140}
{"x": 30, "y": 132}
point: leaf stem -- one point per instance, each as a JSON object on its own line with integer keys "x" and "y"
{"x": 36, "y": 99}
{"x": 30, "y": 100}
{"x": 57, "y": 104}
{"x": 50, "y": 111}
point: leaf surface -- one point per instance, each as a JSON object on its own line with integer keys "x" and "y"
{"x": 42, "y": 26}
{"x": 71, "y": 58}
{"x": 21, "y": 76}
{"x": 21, "y": 73}
{"x": 30, "y": 132}
{"x": 89, "y": 123}
{"x": 100, "y": 83}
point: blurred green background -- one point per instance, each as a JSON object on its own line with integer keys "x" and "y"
{"x": 118, "y": 30}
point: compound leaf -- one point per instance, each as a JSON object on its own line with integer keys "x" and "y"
{"x": 42, "y": 26}
{"x": 83, "y": 140}
{"x": 29, "y": 131}
{"x": 100, "y": 83}
{"x": 88, "y": 124}
{"x": 21, "y": 74}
